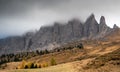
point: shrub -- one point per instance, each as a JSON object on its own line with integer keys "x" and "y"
{"x": 53, "y": 62}
{"x": 39, "y": 66}
{"x": 22, "y": 65}
{"x": 44, "y": 64}
{"x": 46, "y": 51}
{"x": 35, "y": 65}
{"x": 80, "y": 46}
{"x": 37, "y": 52}
{"x": 29, "y": 65}
{"x": 26, "y": 66}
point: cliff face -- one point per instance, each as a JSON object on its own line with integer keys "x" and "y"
{"x": 103, "y": 28}
{"x": 58, "y": 33}
{"x": 12, "y": 44}
{"x": 91, "y": 27}
{"x": 52, "y": 36}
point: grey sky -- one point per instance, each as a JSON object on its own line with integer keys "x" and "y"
{"x": 19, "y": 16}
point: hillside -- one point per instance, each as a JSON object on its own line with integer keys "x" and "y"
{"x": 95, "y": 56}
{"x": 114, "y": 35}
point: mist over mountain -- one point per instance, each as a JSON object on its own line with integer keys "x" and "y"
{"x": 50, "y": 37}
{"x": 20, "y": 16}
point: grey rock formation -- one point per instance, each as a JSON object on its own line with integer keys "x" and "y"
{"x": 58, "y": 33}
{"x": 12, "y": 44}
{"x": 50, "y": 37}
{"x": 115, "y": 26}
{"x": 102, "y": 25}
{"x": 91, "y": 27}
{"x": 103, "y": 28}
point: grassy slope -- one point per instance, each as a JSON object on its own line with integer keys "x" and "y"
{"x": 111, "y": 63}
{"x": 58, "y": 68}
{"x": 85, "y": 58}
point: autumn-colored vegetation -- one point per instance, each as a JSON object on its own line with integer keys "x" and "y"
{"x": 53, "y": 62}
{"x": 29, "y": 65}
{"x": 5, "y": 58}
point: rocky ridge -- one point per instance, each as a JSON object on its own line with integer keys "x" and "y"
{"x": 50, "y": 37}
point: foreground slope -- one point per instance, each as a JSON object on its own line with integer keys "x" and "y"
{"x": 105, "y": 63}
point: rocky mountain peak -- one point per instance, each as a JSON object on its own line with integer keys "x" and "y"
{"x": 91, "y": 26}
{"x": 91, "y": 19}
{"x": 58, "y": 33}
{"x": 102, "y": 20}
{"x": 102, "y": 26}
{"x": 115, "y": 26}
{"x": 92, "y": 16}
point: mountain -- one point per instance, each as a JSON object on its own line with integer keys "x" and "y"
{"x": 91, "y": 27}
{"x": 50, "y": 37}
{"x": 115, "y": 26}
{"x": 103, "y": 28}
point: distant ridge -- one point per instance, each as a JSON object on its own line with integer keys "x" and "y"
{"x": 50, "y": 37}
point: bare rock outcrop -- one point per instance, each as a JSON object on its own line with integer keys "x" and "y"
{"x": 49, "y": 37}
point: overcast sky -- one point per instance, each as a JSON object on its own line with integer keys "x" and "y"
{"x": 19, "y": 16}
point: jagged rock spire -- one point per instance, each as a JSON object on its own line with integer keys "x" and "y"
{"x": 102, "y": 26}
{"x": 92, "y": 16}
{"x": 91, "y": 19}
{"x": 115, "y": 26}
{"x": 102, "y": 20}
{"x": 58, "y": 33}
{"x": 91, "y": 26}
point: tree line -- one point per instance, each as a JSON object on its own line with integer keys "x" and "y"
{"x": 5, "y": 58}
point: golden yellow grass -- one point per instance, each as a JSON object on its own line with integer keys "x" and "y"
{"x": 58, "y": 68}
{"x": 66, "y": 67}
{"x": 70, "y": 56}
{"x": 76, "y": 66}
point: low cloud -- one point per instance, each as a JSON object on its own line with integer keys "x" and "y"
{"x": 20, "y": 16}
